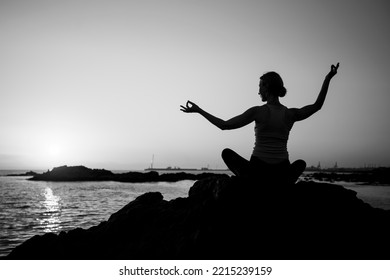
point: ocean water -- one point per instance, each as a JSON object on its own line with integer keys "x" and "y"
{"x": 28, "y": 208}
{"x": 376, "y": 196}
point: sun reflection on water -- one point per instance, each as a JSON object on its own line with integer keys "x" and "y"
{"x": 51, "y": 215}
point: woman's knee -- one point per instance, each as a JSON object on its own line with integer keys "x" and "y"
{"x": 227, "y": 153}
{"x": 299, "y": 164}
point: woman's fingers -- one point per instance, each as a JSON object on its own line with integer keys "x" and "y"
{"x": 334, "y": 68}
{"x": 185, "y": 109}
{"x": 190, "y": 107}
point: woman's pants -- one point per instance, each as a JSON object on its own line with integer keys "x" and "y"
{"x": 258, "y": 169}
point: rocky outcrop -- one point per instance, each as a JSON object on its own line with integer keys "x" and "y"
{"x": 74, "y": 173}
{"x": 229, "y": 218}
{"x": 377, "y": 176}
{"x": 82, "y": 173}
{"x": 28, "y": 173}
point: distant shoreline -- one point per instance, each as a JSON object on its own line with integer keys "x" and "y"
{"x": 186, "y": 169}
{"x": 28, "y": 173}
{"x": 376, "y": 177}
{"x": 82, "y": 173}
{"x": 362, "y": 176}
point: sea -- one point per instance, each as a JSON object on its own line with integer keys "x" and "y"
{"x": 28, "y": 208}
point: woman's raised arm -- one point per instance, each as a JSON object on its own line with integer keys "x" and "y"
{"x": 307, "y": 111}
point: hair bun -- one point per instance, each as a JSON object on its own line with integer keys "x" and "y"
{"x": 282, "y": 92}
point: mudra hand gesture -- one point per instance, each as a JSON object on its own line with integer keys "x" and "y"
{"x": 190, "y": 107}
{"x": 333, "y": 70}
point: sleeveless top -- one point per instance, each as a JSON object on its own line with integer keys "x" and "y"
{"x": 272, "y": 135}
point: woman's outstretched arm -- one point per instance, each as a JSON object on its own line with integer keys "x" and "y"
{"x": 239, "y": 121}
{"x": 307, "y": 111}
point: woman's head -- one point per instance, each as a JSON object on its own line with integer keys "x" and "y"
{"x": 271, "y": 84}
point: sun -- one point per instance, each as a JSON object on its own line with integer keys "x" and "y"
{"x": 54, "y": 150}
{"x": 53, "y": 153}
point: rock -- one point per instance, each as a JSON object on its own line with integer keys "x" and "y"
{"x": 229, "y": 218}
{"x": 82, "y": 173}
{"x": 74, "y": 173}
{"x": 137, "y": 177}
{"x": 28, "y": 173}
{"x": 376, "y": 176}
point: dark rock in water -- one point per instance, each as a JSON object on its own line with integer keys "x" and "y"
{"x": 229, "y": 218}
{"x": 28, "y": 173}
{"x": 137, "y": 177}
{"x": 377, "y": 176}
{"x": 74, "y": 173}
{"x": 82, "y": 173}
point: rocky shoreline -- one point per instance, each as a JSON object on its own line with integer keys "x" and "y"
{"x": 377, "y": 176}
{"x": 82, "y": 173}
{"x": 229, "y": 218}
{"x": 28, "y": 173}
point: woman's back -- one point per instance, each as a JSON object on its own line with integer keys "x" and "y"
{"x": 272, "y": 131}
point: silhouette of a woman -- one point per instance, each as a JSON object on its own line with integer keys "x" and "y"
{"x": 273, "y": 122}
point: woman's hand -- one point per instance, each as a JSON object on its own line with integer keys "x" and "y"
{"x": 333, "y": 70}
{"x": 190, "y": 108}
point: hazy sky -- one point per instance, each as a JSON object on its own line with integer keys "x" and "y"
{"x": 100, "y": 83}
